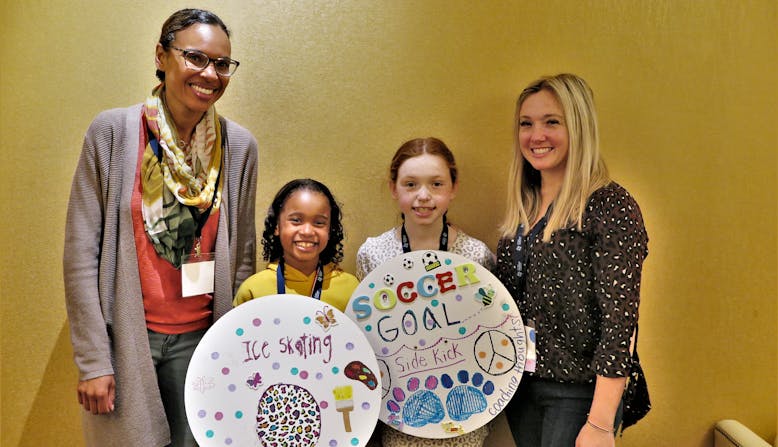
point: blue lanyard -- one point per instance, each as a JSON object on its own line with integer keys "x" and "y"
{"x": 317, "y": 284}
{"x": 521, "y": 250}
{"x": 442, "y": 246}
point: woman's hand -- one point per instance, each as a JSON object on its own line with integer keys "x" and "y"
{"x": 592, "y": 437}
{"x": 97, "y": 395}
{"x": 598, "y": 429}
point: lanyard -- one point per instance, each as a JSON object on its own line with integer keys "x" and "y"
{"x": 200, "y": 218}
{"x": 317, "y": 284}
{"x": 442, "y": 246}
{"x": 521, "y": 250}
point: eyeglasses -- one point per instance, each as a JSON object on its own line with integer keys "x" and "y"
{"x": 197, "y": 60}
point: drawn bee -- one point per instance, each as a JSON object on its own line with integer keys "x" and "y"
{"x": 326, "y": 318}
{"x": 485, "y": 295}
{"x": 254, "y": 381}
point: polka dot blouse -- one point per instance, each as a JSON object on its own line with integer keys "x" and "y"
{"x": 582, "y": 289}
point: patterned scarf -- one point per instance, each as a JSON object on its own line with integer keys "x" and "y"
{"x": 179, "y": 184}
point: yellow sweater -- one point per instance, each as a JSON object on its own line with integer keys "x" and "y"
{"x": 336, "y": 288}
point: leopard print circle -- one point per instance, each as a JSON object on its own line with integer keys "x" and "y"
{"x": 288, "y": 415}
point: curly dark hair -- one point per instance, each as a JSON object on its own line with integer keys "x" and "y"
{"x": 271, "y": 244}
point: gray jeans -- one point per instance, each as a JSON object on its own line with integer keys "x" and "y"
{"x": 171, "y": 354}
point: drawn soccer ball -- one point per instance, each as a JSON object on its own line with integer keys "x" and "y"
{"x": 408, "y": 263}
{"x": 389, "y": 280}
{"x": 430, "y": 260}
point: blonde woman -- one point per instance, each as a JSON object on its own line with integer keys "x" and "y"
{"x": 572, "y": 248}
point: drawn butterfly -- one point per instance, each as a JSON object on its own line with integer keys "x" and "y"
{"x": 254, "y": 381}
{"x": 326, "y": 318}
{"x": 485, "y": 295}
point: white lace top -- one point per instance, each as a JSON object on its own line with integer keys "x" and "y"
{"x": 377, "y": 250}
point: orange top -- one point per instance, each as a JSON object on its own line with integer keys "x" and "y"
{"x": 167, "y": 312}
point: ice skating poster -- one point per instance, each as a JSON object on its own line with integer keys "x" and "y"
{"x": 283, "y": 370}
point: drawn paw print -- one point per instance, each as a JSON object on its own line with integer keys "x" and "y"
{"x": 421, "y": 408}
{"x": 466, "y": 400}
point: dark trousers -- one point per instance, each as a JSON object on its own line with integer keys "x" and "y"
{"x": 545, "y": 413}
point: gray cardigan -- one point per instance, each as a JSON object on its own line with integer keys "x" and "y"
{"x": 102, "y": 285}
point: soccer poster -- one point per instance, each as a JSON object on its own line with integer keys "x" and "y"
{"x": 448, "y": 338}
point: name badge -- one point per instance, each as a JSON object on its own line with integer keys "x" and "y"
{"x": 532, "y": 356}
{"x": 197, "y": 273}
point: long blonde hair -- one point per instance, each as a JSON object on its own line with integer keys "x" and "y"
{"x": 585, "y": 171}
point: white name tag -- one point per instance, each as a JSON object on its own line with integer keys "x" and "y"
{"x": 532, "y": 356}
{"x": 197, "y": 273}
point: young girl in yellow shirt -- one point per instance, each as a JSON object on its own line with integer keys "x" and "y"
{"x": 303, "y": 240}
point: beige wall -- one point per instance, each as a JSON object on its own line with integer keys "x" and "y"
{"x": 688, "y": 102}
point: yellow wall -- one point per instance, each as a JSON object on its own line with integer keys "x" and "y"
{"x": 688, "y": 101}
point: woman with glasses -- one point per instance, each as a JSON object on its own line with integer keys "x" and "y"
{"x": 163, "y": 193}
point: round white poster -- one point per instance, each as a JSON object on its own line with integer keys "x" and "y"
{"x": 283, "y": 370}
{"x": 449, "y": 340}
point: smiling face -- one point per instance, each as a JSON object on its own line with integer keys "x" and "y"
{"x": 423, "y": 189}
{"x": 304, "y": 229}
{"x": 543, "y": 136}
{"x": 190, "y": 92}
